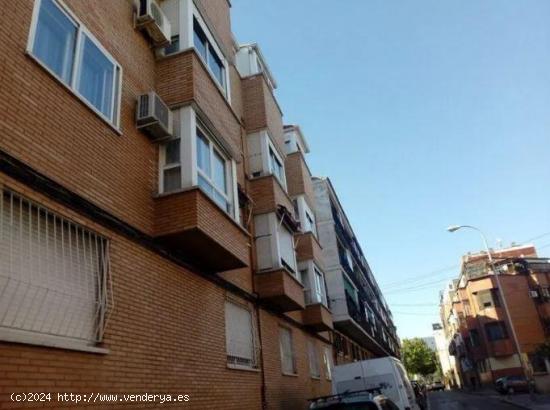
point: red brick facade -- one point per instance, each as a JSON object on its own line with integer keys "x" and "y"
{"x": 166, "y": 331}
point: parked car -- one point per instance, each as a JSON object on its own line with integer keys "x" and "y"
{"x": 369, "y": 399}
{"x": 437, "y": 385}
{"x": 512, "y": 384}
{"x": 387, "y": 373}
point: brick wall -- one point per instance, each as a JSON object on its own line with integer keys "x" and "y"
{"x": 167, "y": 330}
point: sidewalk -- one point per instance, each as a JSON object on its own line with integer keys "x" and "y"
{"x": 540, "y": 402}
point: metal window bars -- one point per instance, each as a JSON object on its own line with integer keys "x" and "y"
{"x": 54, "y": 274}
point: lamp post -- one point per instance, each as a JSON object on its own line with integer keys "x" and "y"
{"x": 454, "y": 228}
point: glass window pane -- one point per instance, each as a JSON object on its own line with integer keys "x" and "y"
{"x": 215, "y": 65}
{"x": 219, "y": 173}
{"x": 55, "y": 40}
{"x": 172, "y": 179}
{"x": 96, "y": 77}
{"x": 205, "y": 186}
{"x": 221, "y": 201}
{"x": 173, "y": 152}
{"x": 203, "y": 153}
{"x": 199, "y": 39}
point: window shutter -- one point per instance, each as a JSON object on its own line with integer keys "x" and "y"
{"x": 239, "y": 335}
{"x": 287, "y": 353}
{"x": 286, "y": 245}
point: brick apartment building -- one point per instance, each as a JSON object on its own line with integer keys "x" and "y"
{"x": 480, "y": 333}
{"x": 157, "y": 218}
{"x": 363, "y": 322}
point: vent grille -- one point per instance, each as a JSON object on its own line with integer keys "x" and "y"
{"x": 144, "y": 106}
{"x": 161, "y": 111}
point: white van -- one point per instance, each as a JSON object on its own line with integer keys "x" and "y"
{"x": 387, "y": 372}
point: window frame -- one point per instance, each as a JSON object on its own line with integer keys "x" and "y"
{"x": 82, "y": 32}
{"x": 272, "y": 150}
{"x": 211, "y": 43}
{"x": 503, "y": 328}
{"x": 188, "y": 121}
{"x": 213, "y": 148}
{"x": 254, "y": 363}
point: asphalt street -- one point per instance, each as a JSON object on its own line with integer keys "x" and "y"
{"x": 451, "y": 400}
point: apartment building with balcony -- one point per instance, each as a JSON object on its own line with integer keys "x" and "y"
{"x": 157, "y": 219}
{"x": 480, "y": 330}
{"x": 363, "y": 323}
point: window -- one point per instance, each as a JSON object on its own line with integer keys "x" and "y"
{"x": 350, "y": 290}
{"x": 276, "y": 167}
{"x": 319, "y": 291}
{"x": 53, "y": 277}
{"x": 212, "y": 170}
{"x": 209, "y": 55}
{"x": 487, "y": 299}
{"x": 474, "y": 338}
{"x": 313, "y": 355}
{"x": 172, "y": 166}
{"x": 309, "y": 225}
{"x": 64, "y": 46}
{"x": 286, "y": 248}
{"x": 288, "y": 361}
{"x": 195, "y": 159}
{"x": 240, "y": 336}
{"x": 327, "y": 360}
{"x": 538, "y": 363}
{"x": 496, "y": 331}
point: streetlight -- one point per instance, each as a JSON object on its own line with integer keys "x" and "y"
{"x": 454, "y": 228}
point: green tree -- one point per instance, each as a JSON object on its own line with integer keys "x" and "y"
{"x": 418, "y": 358}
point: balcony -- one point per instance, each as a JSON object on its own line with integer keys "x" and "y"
{"x": 182, "y": 79}
{"x": 189, "y": 222}
{"x": 280, "y": 289}
{"x": 268, "y": 195}
{"x": 308, "y": 248}
{"x": 317, "y": 317}
{"x": 298, "y": 177}
{"x": 260, "y": 110}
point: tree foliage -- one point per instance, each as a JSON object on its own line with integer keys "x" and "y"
{"x": 418, "y": 358}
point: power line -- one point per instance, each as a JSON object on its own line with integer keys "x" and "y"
{"x": 420, "y": 287}
{"x": 416, "y": 314}
{"x": 425, "y": 275}
{"x": 414, "y": 304}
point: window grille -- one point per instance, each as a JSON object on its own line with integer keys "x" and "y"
{"x": 241, "y": 340}
{"x": 54, "y": 275}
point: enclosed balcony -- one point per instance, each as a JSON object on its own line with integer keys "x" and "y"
{"x": 190, "y": 223}
{"x": 308, "y": 248}
{"x": 316, "y": 315}
{"x": 268, "y": 195}
{"x": 280, "y": 289}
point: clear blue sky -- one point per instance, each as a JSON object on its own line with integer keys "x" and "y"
{"x": 423, "y": 114}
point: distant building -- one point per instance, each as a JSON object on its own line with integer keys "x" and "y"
{"x": 479, "y": 331}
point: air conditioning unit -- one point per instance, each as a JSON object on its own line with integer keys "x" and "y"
{"x": 151, "y": 18}
{"x": 153, "y": 116}
{"x": 533, "y": 294}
